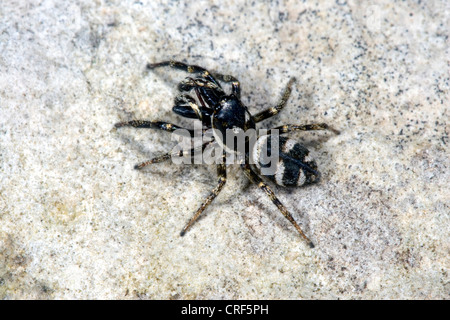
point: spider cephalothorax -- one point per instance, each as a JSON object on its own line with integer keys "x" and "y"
{"x": 224, "y": 113}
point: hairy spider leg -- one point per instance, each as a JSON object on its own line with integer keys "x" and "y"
{"x": 167, "y": 156}
{"x": 274, "y": 110}
{"x": 184, "y": 67}
{"x": 160, "y": 125}
{"x": 235, "y": 85}
{"x": 253, "y": 177}
{"x": 305, "y": 127}
{"x": 222, "y": 173}
{"x": 191, "y": 83}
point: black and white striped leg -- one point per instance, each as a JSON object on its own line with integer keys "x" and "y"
{"x": 253, "y": 177}
{"x": 184, "y": 67}
{"x": 274, "y": 110}
{"x": 306, "y": 127}
{"x": 160, "y": 125}
{"x": 222, "y": 173}
{"x": 190, "y": 83}
{"x": 177, "y": 65}
{"x": 235, "y": 85}
{"x": 167, "y": 156}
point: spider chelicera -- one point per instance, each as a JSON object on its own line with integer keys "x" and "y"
{"x": 221, "y": 111}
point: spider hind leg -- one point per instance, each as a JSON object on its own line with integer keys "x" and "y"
{"x": 253, "y": 177}
{"x": 222, "y": 173}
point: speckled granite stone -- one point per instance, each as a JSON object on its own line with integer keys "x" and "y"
{"x": 76, "y": 221}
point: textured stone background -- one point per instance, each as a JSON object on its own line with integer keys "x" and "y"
{"x": 76, "y": 221}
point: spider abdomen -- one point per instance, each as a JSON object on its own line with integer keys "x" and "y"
{"x": 284, "y": 161}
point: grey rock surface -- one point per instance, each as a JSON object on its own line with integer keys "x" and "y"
{"x": 76, "y": 221}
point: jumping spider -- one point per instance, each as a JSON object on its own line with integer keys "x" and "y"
{"x": 221, "y": 111}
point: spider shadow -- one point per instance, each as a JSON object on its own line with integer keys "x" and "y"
{"x": 141, "y": 148}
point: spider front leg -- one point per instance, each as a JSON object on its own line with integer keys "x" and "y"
{"x": 190, "y": 83}
{"x": 274, "y": 110}
{"x": 184, "y": 67}
{"x": 235, "y": 85}
{"x": 222, "y": 173}
{"x": 253, "y": 177}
